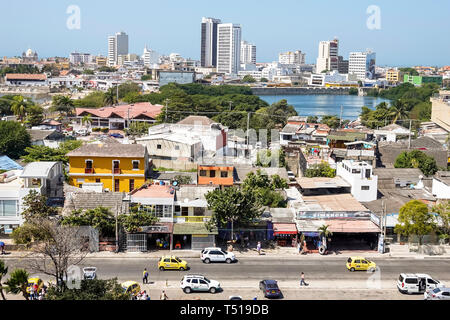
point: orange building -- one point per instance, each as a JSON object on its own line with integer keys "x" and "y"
{"x": 215, "y": 175}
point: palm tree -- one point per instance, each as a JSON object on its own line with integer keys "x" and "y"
{"x": 3, "y": 272}
{"x": 18, "y": 282}
{"x": 398, "y": 110}
{"x": 110, "y": 97}
{"x": 63, "y": 104}
{"x": 324, "y": 234}
{"x": 19, "y": 107}
{"x": 87, "y": 121}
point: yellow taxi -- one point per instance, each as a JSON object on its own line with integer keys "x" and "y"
{"x": 172, "y": 263}
{"x": 33, "y": 281}
{"x": 360, "y": 264}
{"x": 131, "y": 287}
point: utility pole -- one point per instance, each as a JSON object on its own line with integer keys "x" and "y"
{"x": 167, "y": 101}
{"x": 230, "y": 102}
{"x": 117, "y": 92}
{"x": 248, "y": 133}
{"x": 340, "y": 121}
{"x": 409, "y": 140}
{"x": 117, "y": 229}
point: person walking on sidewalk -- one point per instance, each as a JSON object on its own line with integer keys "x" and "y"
{"x": 258, "y": 247}
{"x": 163, "y": 296}
{"x": 145, "y": 276}
{"x": 302, "y": 280}
{"x": 2, "y": 247}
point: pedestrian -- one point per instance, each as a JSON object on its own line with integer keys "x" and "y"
{"x": 2, "y": 247}
{"x": 258, "y": 247}
{"x": 299, "y": 247}
{"x": 31, "y": 292}
{"x": 144, "y": 295}
{"x": 163, "y": 296}
{"x": 145, "y": 276}
{"x": 36, "y": 290}
{"x": 302, "y": 280}
{"x": 41, "y": 295}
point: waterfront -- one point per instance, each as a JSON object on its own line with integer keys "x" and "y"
{"x": 321, "y": 105}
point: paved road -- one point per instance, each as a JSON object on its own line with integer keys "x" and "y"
{"x": 328, "y": 279}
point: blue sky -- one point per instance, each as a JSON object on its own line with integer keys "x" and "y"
{"x": 412, "y": 32}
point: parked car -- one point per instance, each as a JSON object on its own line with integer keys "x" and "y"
{"x": 360, "y": 264}
{"x": 417, "y": 283}
{"x": 90, "y": 273}
{"x": 191, "y": 283}
{"x": 33, "y": 281}
{"x": 131, "y": 287}
{"x": 82, "y": 132}
{"x": 291, "y": 176}
{"x": 234, "y": 298}
{"x": 217, "y": 255}
{"x": 116, "y": 135}
{"x": 270, "y": 289}
{"x": 172, "y": 263}
{"x": 437, "y": 294}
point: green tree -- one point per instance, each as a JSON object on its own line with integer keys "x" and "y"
{"x": 324, "y": 234}
{"x": 127, "y": 88}
{"x": 90, "y": 290}
{"x": 87, "y": 121}
{"x": 331, "y": 121}
{"x": 14, "y": 138}
{"x": 417, "y": 159}
{"x": 146, "y": 77}
{"x": 443, "y": 211}
{"x": 35, "y": 115}
{"x": 137, "y": 218}
{"x": 107, "y": 69}
{"x": 248, "y": 79}
{"x": 63, "y": 105}
{"x": 93, "y": 100}
{"x": 322, "y": 169}
{"x": 264, "y": 189}
{"x": 138, "y": 128}
{"x": 312, "y": 119}
{"x": 19, "y": 107}
{"x": 3, "y": 272}
{"x": 35, "y": 206}
{"x": 183, "y": 180}
{"x": 99, "y": 218}
{"x": 44, "y": 153}
{"x": 18, "y": 282}
{"x": 398, "y": 111}
{"x": 264, "y": 80}
{"x": 414, "y": 219}
{"x": 410, "y": 71}
{"x": 232, "y": 205}
{"x": 88, "y": 71}
{"x": 110, "y": 97}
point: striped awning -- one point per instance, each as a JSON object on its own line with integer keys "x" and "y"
{"x": 284, "y": 228}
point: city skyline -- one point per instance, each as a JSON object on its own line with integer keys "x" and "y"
{"x": 402, "y": 44}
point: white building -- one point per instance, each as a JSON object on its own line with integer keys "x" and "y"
{"x": 292, "y": 57}
{"x": 228, "y": 48}
{"x": 327, "y": 58}
{"x": 441, "y": 185}
{"x": 117, "y": 46}
{"x": 209, "y": 42}
{"x": 360, "y": 176}
{"x": 362, "y": 64}
{"x": 248, "y": 53}
{"x": 78, "y": 58}
{"x": 45, "y": 178}
{"x": 150, "y": 57}
{"x": 391, "y": 132}
{"x": 321, "y": 79}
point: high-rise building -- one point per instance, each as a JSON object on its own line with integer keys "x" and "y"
{"x": 77, "y": 58}
{"x": 248, "y": 53}
{"x": 362, "y": 64}
{"x": 328, "y": 56}
{"x": 209, "y": 42}
{"x": 292, "y": 57}
{"x": 150, "y": 57}
{"x": 342, "y": 65}
{"x": 117, "y": 46}
{"x": 228, "y": 48}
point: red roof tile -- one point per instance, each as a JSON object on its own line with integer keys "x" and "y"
{"x": 25, "y": 76}
{"x": 123, "y": 111}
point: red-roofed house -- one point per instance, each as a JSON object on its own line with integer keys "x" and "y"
{"x": 24, "y": 79}
{"x": 119, "y": 117}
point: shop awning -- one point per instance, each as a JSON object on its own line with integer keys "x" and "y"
{"x": 284, "y": 228}
{"x": 192, "y": 228}
{"x": 352, "y": 226}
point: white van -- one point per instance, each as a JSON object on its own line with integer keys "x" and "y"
{"x": 417, "y": 283}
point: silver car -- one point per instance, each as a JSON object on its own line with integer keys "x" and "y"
{"x": 90, "y": 273}
{"x": 437, "y": 294}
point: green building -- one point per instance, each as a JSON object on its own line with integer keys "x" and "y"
{"x": 419, "y": 80}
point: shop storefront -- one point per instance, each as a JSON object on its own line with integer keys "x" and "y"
{"x": 285, "y": 234}
{"x": 155, "y": 237}
{"x": 193, "y": 236}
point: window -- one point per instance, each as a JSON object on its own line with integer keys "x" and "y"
{"x": 194, "y": 281}
{"x": 159, "y": 147}
{"x": 431, "y": 281}
{"x": 131, "y": 185}
{"x": 173, "y": 261}
{"x": 364, "y": 261}
{"x": 135, "y": 164}
{"x": 89, "y": 164}
{"x": 167, "y": 260}
{"x": 411, "y": 281}
{"x": 224, "y": 174}
{"x": 365, "y": 188}
{"x": 184, "y": 211}
{"x": 212, "y": 174}
{"x": 202, "y": 173}
{"x": 357, "y": 261}
{"x": 356, "y": 171}
{"x": 177, "y": 147}
{"x": 117, "y": 185}
{"x": 97, "y": 180}
{"x": 203, "y": 282}
{"x": 8, "y": 208}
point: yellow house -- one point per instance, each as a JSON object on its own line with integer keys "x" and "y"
{"x": 119, "y": 167}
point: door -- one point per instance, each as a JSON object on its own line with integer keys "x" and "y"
{"x": 412, "y": 285}
{"x": 195, "y": 285}
{"x": 173, "y": 264}
{"x": 167, "y": 263}
{"x": 431, "y": 284}
{"x": 203, "y": 285}
{"x": 422, "y": 284}
{"x": 364, "y": 265}
{"x": 220, "y": 256}
{"x": 117, "y": 185}
{"x": 357, "y": 264}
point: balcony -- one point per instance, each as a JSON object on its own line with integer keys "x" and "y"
{"x": 89, "y": 170}
{"x": 117, "y": 171}
{"x": 191, "y": 219}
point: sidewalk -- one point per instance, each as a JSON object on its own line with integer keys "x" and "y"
{"x": 279, "y": 253}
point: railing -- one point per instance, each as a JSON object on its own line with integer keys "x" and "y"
{"x": 89, "y": 170}
{"x": 117, "y": 171}
{"x": 191, "y": 219}
{"x": 356, "y": 153}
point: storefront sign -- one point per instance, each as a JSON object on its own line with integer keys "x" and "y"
{"x": 155, "y": 229}
{"x": 375, "y": 219}
{"x": 331, "y": 214}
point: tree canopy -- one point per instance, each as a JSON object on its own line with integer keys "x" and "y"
{"x": 14, "y": 138}
{"x": 322, "y": 169}
{"x": 90, "y": 290}
{"x": 417, "y": 159}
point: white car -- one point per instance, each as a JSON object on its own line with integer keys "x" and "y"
{"x": 82, "y": 132}
{"x": 217, "y": 255}
{"x": 437, "y": 294}
{"x": 291, "y": 175}
{"x": 191, "y": 283}
{"x": 417, "y": 283}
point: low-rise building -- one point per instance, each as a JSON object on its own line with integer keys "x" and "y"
{"x": 441, "y": 185}
{"x": 360, "y": 176}
{"x": 48, "y": 138}
{"x": 216, "y": 175}
{"x": 440, "y": 110}
{"x": 32, "y": 80}
{"x": 391, "y": 133}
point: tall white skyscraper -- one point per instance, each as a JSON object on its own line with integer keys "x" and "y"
{"x": 292, "y": 57}
{"x": 228, "y": 48}
{"x": 248, "y": 53}
{"x": 117, "y": 46}
{"x": 328, "y": 56}
{"x": 150, "y": 57}
{"x": 362, "y": 64}
{"x": 209, "y": 42}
